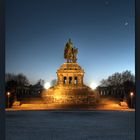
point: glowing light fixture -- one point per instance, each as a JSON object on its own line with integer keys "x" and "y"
{"x": 8, "y": 93}
{"x": 131, "y": 93}
{"x": 47, "y": 85}
{"x": 93, "y": 85}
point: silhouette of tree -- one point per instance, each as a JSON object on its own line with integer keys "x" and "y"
{"x": 120, "y": 83}
{"x": 128, "y": 76}
{"x": 118, "y": 79}
{"x": 40, "y": 82}
{"x": 12, "y": 82}
{"x": 20, "y": 79}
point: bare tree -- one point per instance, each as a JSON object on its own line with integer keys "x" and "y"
{"x": 22, "y": 80}
{"x": 118, "y": 79}
{"x": 120, "y": 83}
{"x": 13, "y": 80}
{"x": 41, "y": 82}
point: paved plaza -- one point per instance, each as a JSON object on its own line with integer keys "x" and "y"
{"x": 70, "y": 125}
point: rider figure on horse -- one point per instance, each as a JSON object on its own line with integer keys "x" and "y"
{"x": 70, "y": 52}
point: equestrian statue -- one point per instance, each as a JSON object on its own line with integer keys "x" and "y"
{"x": 70, "y": 52}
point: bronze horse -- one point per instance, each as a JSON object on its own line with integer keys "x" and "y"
{"x": 70, "y": 52}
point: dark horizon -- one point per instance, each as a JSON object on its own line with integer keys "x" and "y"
{"x": 37, "y": 31}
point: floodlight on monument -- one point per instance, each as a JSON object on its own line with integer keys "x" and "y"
{"x": 93, "y": 85}
{"x": 47, "y": 85}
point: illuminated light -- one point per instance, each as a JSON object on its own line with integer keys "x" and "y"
{"x": 47, "y": 85}
{"x": 58, "y": 97}
{"x": 8, "y": 93}
{"x": 131, "y": 93}
{"x": 93, "y": 85}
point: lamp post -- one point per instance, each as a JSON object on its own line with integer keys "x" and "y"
{"x": 8, "y": 94}
{"x": 131, "y": 95}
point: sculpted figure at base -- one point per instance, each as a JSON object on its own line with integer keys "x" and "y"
{"x": 70, "y": 52}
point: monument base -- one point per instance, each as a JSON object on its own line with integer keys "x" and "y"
{"x": 70, "y": 95}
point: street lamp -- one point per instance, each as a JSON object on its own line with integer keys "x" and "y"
{"x": 131, "y": 95}
{"x": 8, "y": 94}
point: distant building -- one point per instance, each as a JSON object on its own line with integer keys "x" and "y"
{"x": 29, "y": 91}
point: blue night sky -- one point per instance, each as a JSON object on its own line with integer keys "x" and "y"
{"x": 37, "y": 31}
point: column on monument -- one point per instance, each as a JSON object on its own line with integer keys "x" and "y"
{"x": 67, "y": 81}
{"x": 79, "y": 80}
{"x": 61, "y": 80}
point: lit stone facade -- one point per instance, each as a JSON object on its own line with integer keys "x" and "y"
{"x": 70, "y": 74}
{"x": 70, "y": 88}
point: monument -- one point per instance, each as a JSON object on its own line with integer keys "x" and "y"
{"x": 70, "y": 87}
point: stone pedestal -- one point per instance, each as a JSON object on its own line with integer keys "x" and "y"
{"x": 70, "y": 88}
{"x": 70, "y": 74}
